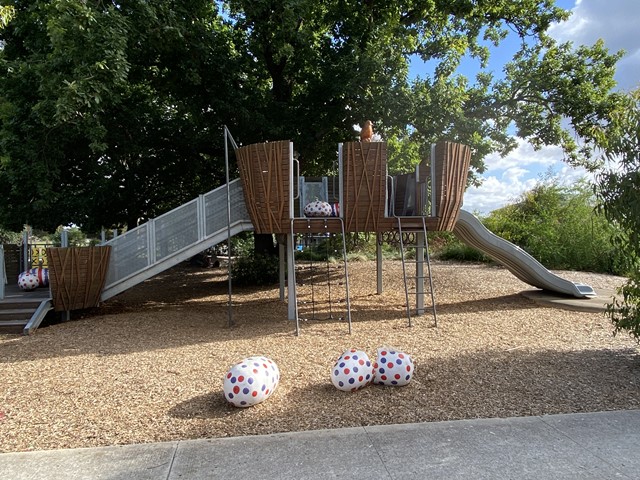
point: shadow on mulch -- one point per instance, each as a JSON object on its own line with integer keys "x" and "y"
{"x": 446, "y": 389}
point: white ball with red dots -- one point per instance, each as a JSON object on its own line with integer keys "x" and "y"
{"x": 27, "y": 281}
{"x": 318, "y": 209}
{"x": 392, "y": 367}
{"x": 353, "y": 370}
{"x": 251, "y": 381}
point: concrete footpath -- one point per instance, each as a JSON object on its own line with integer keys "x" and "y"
{"x": 599, "y": 446}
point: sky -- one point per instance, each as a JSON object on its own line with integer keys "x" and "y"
{"x": 616, "y": 22}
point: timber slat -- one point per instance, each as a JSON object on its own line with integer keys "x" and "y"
{"x": 265, "y": 173}
{"x": 364, "y": 177}
{"x": 77, "y": 276}
{"x": 264, "y": 169}
{"x": 452, "y": 168}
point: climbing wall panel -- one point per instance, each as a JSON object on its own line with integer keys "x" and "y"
{"x": 265, "y": 172}
{"x": 364, "y": 170}
{"x": 77, "y": 276}
{"x": 452, "y": 168}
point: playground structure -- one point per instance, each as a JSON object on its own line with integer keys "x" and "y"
{"x": 369, "y": 200}
{"x": 270, "y": 195}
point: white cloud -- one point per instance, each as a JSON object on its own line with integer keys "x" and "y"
{"x": 523, "y": 155}
{"x": 614, "y": 21}
{"x": 506, "y": 179}
{"x": 495, "y": 193}
{"x": 628, "y": 71}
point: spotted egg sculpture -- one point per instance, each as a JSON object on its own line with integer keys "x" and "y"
{"x": 251, "y": 381}
{"x": 28, "y": 281}
{"x": 392, "y": 367}
{"x": 352, "y": 371}
{"x": 318, "y": 209}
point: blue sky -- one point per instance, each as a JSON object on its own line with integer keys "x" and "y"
{"x": 616, "y": 22}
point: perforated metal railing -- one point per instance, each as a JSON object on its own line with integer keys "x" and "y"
{"x": 174, "y": 237}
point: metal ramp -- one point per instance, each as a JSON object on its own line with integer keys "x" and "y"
{"x": 174, "y": 237}
{"x": 412, "y": 233}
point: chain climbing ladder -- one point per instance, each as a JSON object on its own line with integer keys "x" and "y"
{"x": 312, "y": 227}
{"x": 415, "y": 234}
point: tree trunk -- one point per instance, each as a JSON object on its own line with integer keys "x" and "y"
{"x": 264, "y": 244}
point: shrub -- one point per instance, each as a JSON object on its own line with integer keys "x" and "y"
{"x": 446, "y": 246}
{"x": 255, "y": 270}
{"x": 559, "y": 226}
{"x": 242, "y": 245}
{"x": 7, "y": 236}
{"x": 625, "y": 313}
{"x": 76, "y": 237}
{"x": 618, "y": 189}
{"x": 461, "y": 252}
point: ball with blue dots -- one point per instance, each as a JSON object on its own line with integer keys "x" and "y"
{"x": 318, "y": 209}
{"x": 250, "y": 381}
{"x": 392, "y": 367}
{"x": 352, "y": 371}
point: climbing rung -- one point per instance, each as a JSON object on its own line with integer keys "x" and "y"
{"x": 420, "y": 278}
{"x": 416, "y": 225}
{"x": 413, "y": 292}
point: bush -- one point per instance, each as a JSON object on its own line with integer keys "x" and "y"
{"x": 9, "y": 237}
{"x": 255, "y": 270}
{"x": 456, "y": 250}
{"x": 625, "y": 313}
{"x": 446, "y": 246}
{"x": 242, "y": 245}
{"x": 76, "y": 237}
{"x": 618, "y": 189}
{"x": 560, "y": 227}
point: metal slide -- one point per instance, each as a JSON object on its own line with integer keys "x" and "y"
{"x": 471, "y": 231}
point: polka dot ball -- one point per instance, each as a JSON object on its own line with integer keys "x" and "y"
{"x": 353, "y": 370}
{"x": 392, "y": 367}
{"x": 318, "y": 209}
{"x": 27, "y": 281}
{"x": 251, "y": 381}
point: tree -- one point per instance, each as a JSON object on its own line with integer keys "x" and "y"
{"x": 618, "y": 188}
{"x": 111, "y": 113}
{"x": 101, "y": 97}
{"x": 325, "y": 67}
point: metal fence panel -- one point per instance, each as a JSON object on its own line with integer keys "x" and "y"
{"x": 216, "y": 207}
{"x": 176, "y": 230}
{"x": 129, "y": 254}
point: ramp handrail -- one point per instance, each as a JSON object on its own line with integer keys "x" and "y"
{"x": 175, "y": 236}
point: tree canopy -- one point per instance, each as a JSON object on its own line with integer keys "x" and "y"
{"x": 618, "y": 187}
{"x": 110, "y": 112}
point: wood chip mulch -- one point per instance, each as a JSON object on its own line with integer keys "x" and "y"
{"x": 148, "y": 365}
